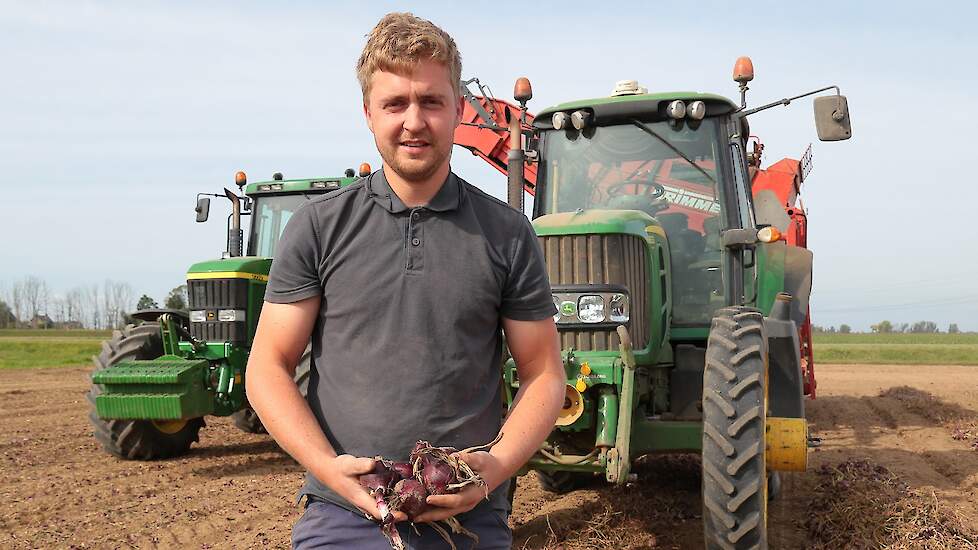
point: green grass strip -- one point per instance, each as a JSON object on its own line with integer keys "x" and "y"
{"x": 55, "y": 333}
{"x": 896, "y": 338}
{"x": 897, "y": 354}
{"x": 16, "y": 353}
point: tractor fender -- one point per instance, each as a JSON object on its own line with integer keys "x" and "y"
{"x": 785, "y": 268}
{"x": 785, "y": 384}
{"x": 798, "y": 281}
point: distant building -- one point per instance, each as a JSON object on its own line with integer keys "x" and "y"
{"x": 41, "y": 321}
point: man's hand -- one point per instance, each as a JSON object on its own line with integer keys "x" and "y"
{"x": 342, "y": 473}
{"x": 446, "y": 506}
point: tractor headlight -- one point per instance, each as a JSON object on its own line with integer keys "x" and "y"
{"x": 676, "y": 109}
{"x": 696, "y": 110}
{"x": 590, "y": 308}
{"x": 198, "y": 316}
{"x": 618, "y": 308}
{"x": 580, "y": 119}
{"x": 559, "y": 120}
{"x": 230, "y": 315}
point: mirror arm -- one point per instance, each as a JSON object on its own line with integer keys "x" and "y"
{"x": 785, "y": 101}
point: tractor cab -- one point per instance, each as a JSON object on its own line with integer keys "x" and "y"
{"x": 270, "y": 205}
{"x": 664, "y": 155}
{"x": 274, "y": 202}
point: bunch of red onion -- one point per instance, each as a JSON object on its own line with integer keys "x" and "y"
{"x": 405, "y": 486}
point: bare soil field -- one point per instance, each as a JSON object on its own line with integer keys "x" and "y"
{"x": 898, "y": 468}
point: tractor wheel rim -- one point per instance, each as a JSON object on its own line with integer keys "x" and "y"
{"x": 169, "y": 426}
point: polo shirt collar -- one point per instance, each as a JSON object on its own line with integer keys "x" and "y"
{"x": 448, "y": 197}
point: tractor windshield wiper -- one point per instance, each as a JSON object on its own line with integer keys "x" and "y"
{"x": 644, "y": 127}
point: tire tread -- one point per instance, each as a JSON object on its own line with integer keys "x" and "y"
{"x": 734, "y": 473}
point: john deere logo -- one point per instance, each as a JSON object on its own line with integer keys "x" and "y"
{"x": 568, "y": 308}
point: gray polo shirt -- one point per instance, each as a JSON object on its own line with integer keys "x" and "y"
{"x": 407, "y": 344}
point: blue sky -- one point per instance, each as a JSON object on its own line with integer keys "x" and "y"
{"x": 113, "y": 115}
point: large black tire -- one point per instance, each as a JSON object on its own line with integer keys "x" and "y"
{"x": 138, "y": 439}
{"x": 734, "y": 420}
{"x": 561, "y": 482}
{"x": 247, "y": 419}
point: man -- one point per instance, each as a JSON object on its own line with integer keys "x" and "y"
{"x": 403, "y": 280}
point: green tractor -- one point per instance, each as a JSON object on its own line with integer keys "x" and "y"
{"x": 681, "y": 281}
{"x": 156, "y": 381}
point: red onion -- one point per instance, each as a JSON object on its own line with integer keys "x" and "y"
{"x": 378, "y": 483}
{"x": 437, "y": 476}
{"x": 423, "y": 448}
{"x": 403, "y": 469}
{"x": 409, "y": 497}
{"x": 418, "y": 450}
{"x": 374, "y": 483}
{"x": 405, "y": 486}
{"x": 384, "y": 469}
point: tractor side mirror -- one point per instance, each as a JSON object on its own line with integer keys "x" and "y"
{"x": 832, "y": 118}
{"x": 203, "y": 209}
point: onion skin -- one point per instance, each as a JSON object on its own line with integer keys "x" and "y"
{"x": 418, "y": 449}
{"x": 375, "y": 483}
{"x": 409, "y": 496}
{"x": 384, "y": 470}
{"x": 404, "y": 470}
{"x": 390, "y": 531}
{"x": 378, "y": 484}
{"x": 437, "y": 476}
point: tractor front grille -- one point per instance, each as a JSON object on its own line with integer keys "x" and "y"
{"x": 601, "y": 260}
{"x": 211, "y": 296}
{"x": 218, "y": 293}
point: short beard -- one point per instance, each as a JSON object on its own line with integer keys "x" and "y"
{"x": 412, "y": 172}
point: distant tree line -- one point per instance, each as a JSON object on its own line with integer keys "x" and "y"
{"x": 843, "y": 329}
{"x": 888, "y": 327}
{"x": 31, "y": 303}
{"x": 920, "y": 327}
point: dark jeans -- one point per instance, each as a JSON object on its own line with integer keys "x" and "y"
{"x": 326, "y": 525}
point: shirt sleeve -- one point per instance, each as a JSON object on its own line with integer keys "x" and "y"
{"x": 527, "y": 295}
{"x": 295, "y": 269}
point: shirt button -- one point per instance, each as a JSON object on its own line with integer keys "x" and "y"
{"x": 415, "y": 241}
{"x": 415, "y": 216}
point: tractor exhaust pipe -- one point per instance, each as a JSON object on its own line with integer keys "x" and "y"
{"x": 235, "y": 235}
{"x": 514, "y": 163}
{"x": 516, "y": 158}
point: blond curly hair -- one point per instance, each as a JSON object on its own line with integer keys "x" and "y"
{"x": 400, "y": 41}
